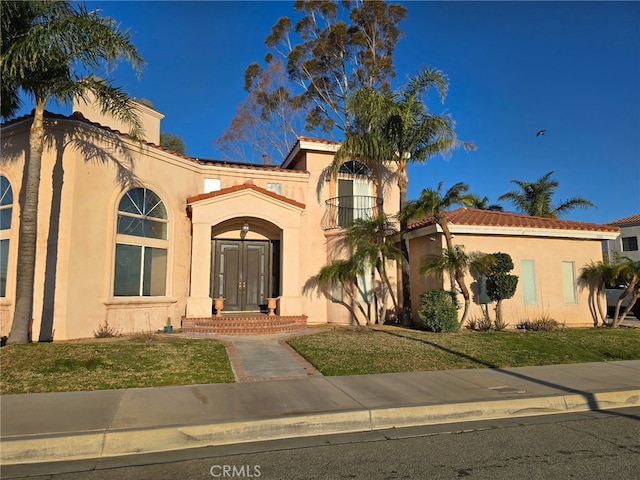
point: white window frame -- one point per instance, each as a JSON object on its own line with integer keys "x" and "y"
{"x": 569, "y": 289}
{"x": 144, "y": 243}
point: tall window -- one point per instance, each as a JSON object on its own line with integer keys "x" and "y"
{"x": 569, "y": 282}
{"x": 355, "y": 187}
{"x": 6, "y": 209}
{"x": 528, "y": 277}
{"x": 141, "y": 245}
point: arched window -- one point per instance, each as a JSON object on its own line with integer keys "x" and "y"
{"x": 354, "y": 168}
{"x": 6, "y": 210}
{"x": 141, "y": 245}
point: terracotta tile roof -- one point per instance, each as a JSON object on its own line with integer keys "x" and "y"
{"x": 77, "y": 116}
{"x": 245, "y": 186}
{"x": 303, "y": 138}
{"x": 623, "y": 221}
{"x": 488, "y": 218}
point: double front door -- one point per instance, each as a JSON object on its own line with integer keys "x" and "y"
{"x": 241, "y": 273}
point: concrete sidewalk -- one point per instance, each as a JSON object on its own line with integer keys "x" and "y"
{"x": 50, "y": 427}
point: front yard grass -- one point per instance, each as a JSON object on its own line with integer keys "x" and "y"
{"x": 161, "y": 360}
{"x": 359, "y": 351}
{"x": 122, "y": 362}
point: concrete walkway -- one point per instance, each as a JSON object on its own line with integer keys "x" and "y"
{"x": 292, "y": 400}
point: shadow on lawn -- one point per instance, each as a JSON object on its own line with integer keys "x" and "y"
{"x": 589, "y": 397}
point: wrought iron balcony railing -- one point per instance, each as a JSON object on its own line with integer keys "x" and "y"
{"x": 340, "y": 212}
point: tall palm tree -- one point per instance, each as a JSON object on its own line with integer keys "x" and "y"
{"x": 46, "y": 54}
{"x": 433, "y": 203}
{"x": 535, "y": 198}
{"x": 398, "y": 129}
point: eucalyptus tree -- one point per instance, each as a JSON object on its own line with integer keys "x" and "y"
{"x": 331, "y": 50}
{"x": 536, "y": 198}
{"x": 434, "y": 203}
{"x": 47, "y": 54}
{"x": 397, "y": 128}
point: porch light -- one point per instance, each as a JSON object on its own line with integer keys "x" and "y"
{"x": 245, "y": 230}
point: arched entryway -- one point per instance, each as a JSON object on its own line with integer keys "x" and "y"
{"x": 245, "y": 264}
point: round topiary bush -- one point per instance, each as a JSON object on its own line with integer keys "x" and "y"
{"x": 439, "y": 311}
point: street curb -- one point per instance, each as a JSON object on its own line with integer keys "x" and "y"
{"x": 85, "y": 445}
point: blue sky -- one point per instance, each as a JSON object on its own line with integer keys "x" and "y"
{"x": 572, "y": 68}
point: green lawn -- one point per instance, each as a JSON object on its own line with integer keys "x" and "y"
{"x": 160, "y": 360}
{"x": 123, "y": 362}
{"x": 349, "y": 351}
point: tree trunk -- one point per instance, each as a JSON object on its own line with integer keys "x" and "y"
{"x": 498, "y": 313}
{"x": 617, "y": 317}
{"x": 382, "y": 270}
{"x": 407, "y": 314}
{"x": 600, "y": 293}
{"x": 23, "y": 314}
{"x": 441, "y": 219}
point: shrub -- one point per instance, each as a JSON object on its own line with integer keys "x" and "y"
{"x": 543, "y": 323}
{"x": 480, "y": 324}
{"x": 439, "y": 311}
{"x": 106, "y": 331}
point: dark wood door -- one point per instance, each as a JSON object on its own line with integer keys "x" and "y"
{"x": 241, "y": 272}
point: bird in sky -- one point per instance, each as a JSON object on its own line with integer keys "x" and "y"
{"x": 540, "y": 132}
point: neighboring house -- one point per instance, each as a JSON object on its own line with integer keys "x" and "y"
{"x": 547, "y": 253}
{"x": 625, "y": 244}
{"x": 132, "y": 234}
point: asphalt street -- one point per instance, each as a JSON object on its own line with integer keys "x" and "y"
{"x": 588, "y": 445}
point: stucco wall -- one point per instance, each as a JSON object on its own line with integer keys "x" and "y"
{"x": 81, "y": 187}
{"x": 547, "y": 254}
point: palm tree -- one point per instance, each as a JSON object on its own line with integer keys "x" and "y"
{"x": 373, "y": 242}
{"x": 595, "y": 275}
{"x": 344, "y": 273}
{"x": 432, "y": 203}
{"x": 535, "y": 198}
{"x": 452, "y": 260}
{"x": 483, "y": 204}
{"x": 45, "y": 54}
{"x": 398, "y": 128}
{"x": 626, "y": 272}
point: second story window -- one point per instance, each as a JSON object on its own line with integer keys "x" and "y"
{"x": 355, "y": 192}
{"x": 629, "y": 244}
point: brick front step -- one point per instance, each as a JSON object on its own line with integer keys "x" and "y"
{"x": 241, "y": 325}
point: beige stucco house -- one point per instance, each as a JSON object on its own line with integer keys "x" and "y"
{"x": 132, "y": 234}
{"x": 548, "y": 255}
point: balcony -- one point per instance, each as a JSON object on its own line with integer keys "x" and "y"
{"x": 340, "y": 212}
